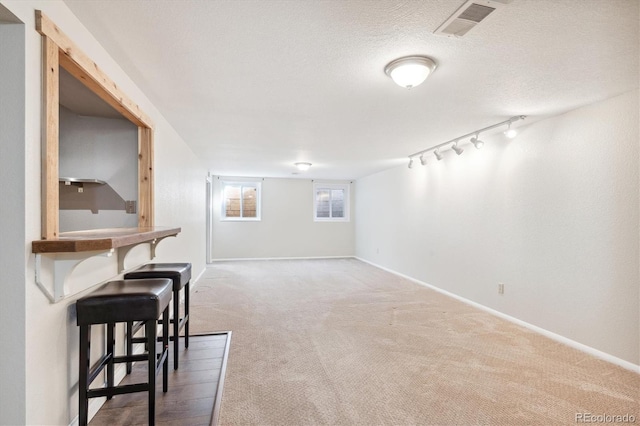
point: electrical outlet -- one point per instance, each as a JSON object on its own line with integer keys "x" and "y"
{"x": 500, "y": 288}
{"x": 130, "y": 206}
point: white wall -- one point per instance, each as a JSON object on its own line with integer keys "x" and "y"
{"x": 12, "y": 223}
{"x": 99, "y": 148}
{"x": 287, "y": 228}
{"x": 552, "y": 214}
{"x": 48, "y": 362}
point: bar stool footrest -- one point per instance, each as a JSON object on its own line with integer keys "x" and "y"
{"x": 130, "y": 358}
{"x": 118, "y": 390}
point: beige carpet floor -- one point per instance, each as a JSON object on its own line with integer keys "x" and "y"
{"x": 339, "y": 342}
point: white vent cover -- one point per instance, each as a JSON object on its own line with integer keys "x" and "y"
{"x": 468, "y": 16}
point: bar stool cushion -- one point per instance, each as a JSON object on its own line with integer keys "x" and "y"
{"x": 180, "y": 273}
{"x": 125, "y": 300}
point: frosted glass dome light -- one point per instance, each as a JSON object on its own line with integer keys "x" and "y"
{"x": 303, "y": 167}
{"x": 410, "y": 71}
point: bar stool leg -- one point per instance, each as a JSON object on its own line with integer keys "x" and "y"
{"x": 83, "y": 401}
{"x": 186, "y": 315}
{"x": 150, "y": 327}
{"x": 165, "y": 347}
{"x": 129, "y": 344}
{"x": 176, "y": 328}
{"x": 110, "y": 350}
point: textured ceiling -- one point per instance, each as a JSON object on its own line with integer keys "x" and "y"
{"x": 254, "y": 86}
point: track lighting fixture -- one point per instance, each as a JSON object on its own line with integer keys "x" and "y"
{"x": 456, "y": 148}
{"x": 477, "y": 142}
{"x": 510, "y": 133}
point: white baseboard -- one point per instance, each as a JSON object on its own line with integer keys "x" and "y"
{"x": 557, "y": 337}
{"x": 193, "y": 283}
{"x": 278, "y": 258}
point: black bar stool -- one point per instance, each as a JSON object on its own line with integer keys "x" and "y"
{"x": 123, "y": 301}
{"x": 180, "y": 274}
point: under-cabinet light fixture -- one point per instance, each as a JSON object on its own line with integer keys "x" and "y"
{"x": 510, "y": 133}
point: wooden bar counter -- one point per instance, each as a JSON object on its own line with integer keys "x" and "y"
{"x": 101, "y": 239}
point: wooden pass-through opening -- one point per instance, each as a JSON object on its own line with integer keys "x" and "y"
{"x": 60, "y": 51}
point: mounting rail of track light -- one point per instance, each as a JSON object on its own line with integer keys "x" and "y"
{"x": 475, "y": 140}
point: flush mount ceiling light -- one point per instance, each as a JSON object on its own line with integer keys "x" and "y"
{"x": 303, "y": 167}
{"x": 410, "y": 71}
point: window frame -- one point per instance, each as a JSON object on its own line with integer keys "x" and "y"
{"x": 242, "y": 184}
{"x": 319, "y": 186}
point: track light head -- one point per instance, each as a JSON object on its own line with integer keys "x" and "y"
{"x": 510, "y": 133}
{"x": 456, "y": 148}
{"x": 423, "y": 159}
{"x": 477, "y": 142}
{"x": 410, "y": 163}
{"x": 438, "y": 155}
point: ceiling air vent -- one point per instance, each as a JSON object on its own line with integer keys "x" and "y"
{"x": 468, "y": 16}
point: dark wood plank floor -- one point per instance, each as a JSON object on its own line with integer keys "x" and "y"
{"x": 192, "y": 388}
